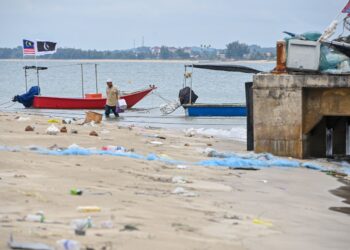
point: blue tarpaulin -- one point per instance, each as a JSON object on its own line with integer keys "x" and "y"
{"x": 27, "y": 98}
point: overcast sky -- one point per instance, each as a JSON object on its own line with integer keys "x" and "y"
{"x": 115, "y": 24}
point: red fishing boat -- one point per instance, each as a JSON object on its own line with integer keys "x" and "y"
{"x": 88, "y": 101}
{"x": 91, "y": 101}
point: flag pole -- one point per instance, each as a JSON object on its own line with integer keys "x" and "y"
{"x": 36, "y": 63}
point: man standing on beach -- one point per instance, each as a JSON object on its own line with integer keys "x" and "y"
{"x": 112, "y": 99}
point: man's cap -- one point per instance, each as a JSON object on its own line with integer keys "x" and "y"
{"x": 109, "y": 80}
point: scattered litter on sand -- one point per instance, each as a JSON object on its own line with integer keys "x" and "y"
{"x": 28, "y": 245}
{"x": 52, "y": 130}
{"x": 179, "y": 180}
{"x": 129, "y": 227}
{"x": 53, "y": 121}
{"x": 29, "y": 128}
{"x": 93, "y": 133}
{"x": 22, "y": 119}
{"x": 76, "y": 191}
{"x": 37, "y": 217}
{"x": 63, "y": 129}
{"x": 68, "y": 245}
{"x": 74, "y": 131}
{"x": 182, "y": 167}
{"x": 257, "y": 221}
{"x": 108, "y": 224}
{"x": 88, "y": 209}
{"x": 91, "y": 116}
{"x": 156, "y": 142}
{"x": 236, "y": 133}
{"x": 67, "y": 121}
{"x": 182, "y": 191}
{"x": 155, "y": 136}
{"x": 80, "y": 225}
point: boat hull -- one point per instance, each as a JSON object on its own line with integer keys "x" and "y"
{"x": 47, "y": 102}
{"x": 215, "y": 110}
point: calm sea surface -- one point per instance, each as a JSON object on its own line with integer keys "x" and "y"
{"x": 63, "y": 78}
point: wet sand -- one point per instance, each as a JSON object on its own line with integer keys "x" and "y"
{"x": 218, "y": 208}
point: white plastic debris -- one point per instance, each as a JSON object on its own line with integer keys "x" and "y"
{"x": 179, "y": 180}
{"x": 73, "y": 146}
{"x": 190, "y": 132}
{"x": 108, "y": 224}
{"x": 156, "y": 142}
{"x": 23, "y": 119}
{"x": 183, "y": 192}
{"x": 237, "y": 133}
{"x": 178, "y": 190}
{"x": 208, "y": 151}
{"x": 68, "y": 245}
{"x": 182, "y": 167}
{"x": 52, "y": 130}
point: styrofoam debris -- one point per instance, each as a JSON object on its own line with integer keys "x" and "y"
{"x": 23, "y": 119}
{"x": 182, "y": 167}
{"x": 52, "y": 130}
{"x": 178, "y": 190}
{"x": 179, "y": 180}
{"x": 156, "y": 142}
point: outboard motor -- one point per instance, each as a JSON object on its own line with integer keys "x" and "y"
{"x": 27, "y": 98}
{"x": 186, "y": 94}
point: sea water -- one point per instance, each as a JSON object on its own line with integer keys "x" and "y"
{"x": 63, "y": 78}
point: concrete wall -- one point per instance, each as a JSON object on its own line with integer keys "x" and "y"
{"x": 288, "y": 107}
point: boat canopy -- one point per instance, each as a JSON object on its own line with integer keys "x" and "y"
{"x": 225, "y": 67}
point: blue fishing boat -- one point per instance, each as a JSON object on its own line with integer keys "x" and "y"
{"x": 188, "y": 97}
{"x": 227, "y": 109}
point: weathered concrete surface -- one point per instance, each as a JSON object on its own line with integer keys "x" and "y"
{"x": 288, "y": 107}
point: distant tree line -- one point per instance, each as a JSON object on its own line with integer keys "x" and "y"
{"x": 234, "y": 50}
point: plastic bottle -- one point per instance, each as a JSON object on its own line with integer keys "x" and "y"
{"x": 81, "y": 224}
{"x": 76, "y": 191}
{"x": 68, "y": 245}
{"x": 38, "y": 217}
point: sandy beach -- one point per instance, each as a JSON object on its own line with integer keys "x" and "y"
{"x": 155, "y": 204}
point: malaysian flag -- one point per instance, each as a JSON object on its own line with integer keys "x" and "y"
{"x": 28, "y": 47}
{"x": 347, "y": 8}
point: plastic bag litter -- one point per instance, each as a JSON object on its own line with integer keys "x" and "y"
{"x": 182, "y": 167}
{"x": 23, "y": 119}
{"x": 27, "y": 245}
{"x": 156, "y": 142}
{"x": 68, "y": 245}
{"x": 178, "y": 180}
{"x": 52, "y": 130}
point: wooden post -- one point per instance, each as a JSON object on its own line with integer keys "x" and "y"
{"x": 250, "y": 119}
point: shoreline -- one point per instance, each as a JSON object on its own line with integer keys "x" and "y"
{"x": 140, "y": 60}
